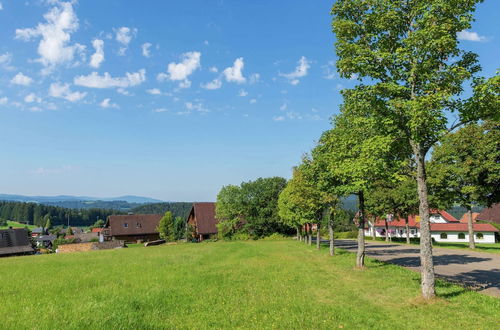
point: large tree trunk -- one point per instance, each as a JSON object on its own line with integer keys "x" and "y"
{"x": 318, "y": 237}
{"x": 470, "y": 227}
{"x": 407, "y": 227}
{"x": 426, "y": 261}
{"x": 374, "y": 230}
{"x": 309, "y": 234}
{"x": 360, "y": 255}
{"x": 330, "y": 234}
{"x": 386, "y": 231}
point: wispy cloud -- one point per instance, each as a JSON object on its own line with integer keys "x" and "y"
{"x": 299, "y": 72}
{"x": 106, "y": 103}
{"x": 56, "y": 170}
{"x": 124, "y": 35}
{"x": 470, "y": 36}
{"x": 94, "y": 80}
{"x": 63, "y": 91}
{"x": 21, "y": 79}
{"x": 234, "y": 73}
{"x": 146, "y": 52}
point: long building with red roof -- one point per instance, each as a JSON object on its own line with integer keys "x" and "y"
{"x": 444, "y": 228}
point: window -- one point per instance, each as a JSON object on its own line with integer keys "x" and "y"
{"x": 443, "y": 236}
{"x": 412, "y": 231}
{"x": 138, "y": 225}
{"x": 479, "y": 235}
{"x": 125, "y": 225}
{"x": 461, "y": 236}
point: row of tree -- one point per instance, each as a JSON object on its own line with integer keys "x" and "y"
{"x": 38, "y": 214}
{"x": 411, "y": 77}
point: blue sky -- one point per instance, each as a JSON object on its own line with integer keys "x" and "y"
{"x": 170, "y": 99}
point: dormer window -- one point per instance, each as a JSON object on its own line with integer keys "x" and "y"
{"x": 138, "y": 225}
{"x": 125, "y": 225}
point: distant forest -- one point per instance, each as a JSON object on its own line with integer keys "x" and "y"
{"x": 83, "y": 204}
{"x": 32, "y": 213}
{"x": 178, "y": 209}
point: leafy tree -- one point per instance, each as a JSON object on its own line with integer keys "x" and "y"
{"x": 98, "y": 224}
{"x": 166, "y": 227}
{"x": 465, "y": 169}
{"x": 251, "y": 207}
{"x": 411, "y": 72}
{"x": 399, "y": 199}
{"x": 48, "y": 224}
{"x": 180, "y": 229}
{"x": 69, "y": 231}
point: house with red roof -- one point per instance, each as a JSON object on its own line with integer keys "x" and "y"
{"x": 202, "y": 220}
{"x": 444, "y": 228}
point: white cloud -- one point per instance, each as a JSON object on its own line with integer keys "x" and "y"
{"x": 4, "y": 100}
{"x": 98, "y": 57}
{"x": 278, "y": 118}
{"x": 106, "y": 103}
{"x": 284, "y": 106}
{"x": 253, "y": 101}
{"x": 293, "y": 115}
{"x": 160, "y": 110}
{"x": 154, "y": 91}
{"x": 31, "y": 97}
{"x": 55, "y": 34}
{"x": 21, "y": 79}
{"x": 242, "y": 93}
{"x": 213, "y": 69}
{"x": 146, "y": 49}
{"x": 123, "y": 91}
{"x": 94, "y": 80}
{"x": 5, "y": 60}
{"x": 62, "y": 91}
{"x": 1, "y": 6}
{"x": 233, "y": 73}
{"x": 254, "y": 78}
{"x": 300, "y": 71}
{"x": 470, "y": 36}
{"x": 57, "y": 170}
{"x": 124, "y": 35}
{"x": 329, "y": 70}
{"x": 214, "y": 84}
{"x": 206, "y": 43}
{"x": 195, "y": 107}
{"x": 181, "y": 71}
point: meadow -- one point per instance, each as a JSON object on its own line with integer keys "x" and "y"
{"x": 14, "y": 224}
{"x": 244, "y": 284}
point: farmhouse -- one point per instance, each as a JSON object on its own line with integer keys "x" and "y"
{"x": 202, "y": 220}
{"x": 132, "y": 227}
{"x": 15, "y": 242}
{"x": 444, "y": 228}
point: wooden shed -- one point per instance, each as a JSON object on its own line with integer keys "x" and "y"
{"x": 202, "y": 220}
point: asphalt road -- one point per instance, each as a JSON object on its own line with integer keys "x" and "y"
{"x": 477, "y": 270}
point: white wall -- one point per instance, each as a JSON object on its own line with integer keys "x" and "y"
{"x": 488, "y": 237}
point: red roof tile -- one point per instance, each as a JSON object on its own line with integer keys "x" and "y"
{"x": 465, "y": 217}
{"x": 491, "y": 214}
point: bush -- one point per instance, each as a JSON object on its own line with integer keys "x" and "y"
{"x": 346, "y": 234}
{"x": 94, "y": 239}
{"x": 275, "y": 237}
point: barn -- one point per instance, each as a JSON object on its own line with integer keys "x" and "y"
{"x": 132, "y": 227}
{"x": 202, "y": 220}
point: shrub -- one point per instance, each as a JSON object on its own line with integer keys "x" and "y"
{"x": 346, "y": 234}
{"x": 275, "y": 237}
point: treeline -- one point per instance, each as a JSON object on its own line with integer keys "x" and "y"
{"x": 82, "y": 204}
{"x": 251, "y": 210}
{"x": 33, "y": 214}
{"x": 178, "y": 209}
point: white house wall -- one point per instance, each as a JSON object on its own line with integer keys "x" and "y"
{"x": 452, "y": 237}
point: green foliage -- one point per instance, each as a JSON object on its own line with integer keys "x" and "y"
{"x": 251, "y": 207}
{"x": 69, "y": 231}
{"x": 34, "y": 214}
{"x": 465, "y": 167}
{"x": 399, "y": 198}
{"x": 346, "y": 234}
{"x": 61, "y": 241}
{"x": 180, "y": 228}
{"x": 166, "y": 227}
{"x": 98, "y": 224}
{"x": 178, "y": 209}
{"x": 3, "y": 222}
{"x": 275, "y": 237}
{"x": 48, "y": 222}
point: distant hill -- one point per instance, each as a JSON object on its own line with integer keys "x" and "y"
{"x": 66, "y": 198}
{"x": 178, "y": 209}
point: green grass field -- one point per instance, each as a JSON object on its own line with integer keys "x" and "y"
{"x": 251, "y": 284}
{"x": 14, "y": 224}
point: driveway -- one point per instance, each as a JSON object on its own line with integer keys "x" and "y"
{"x": 477, "y": 270}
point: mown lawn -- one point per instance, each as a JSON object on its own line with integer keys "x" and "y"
{"x": 14, "y": 224}
{"x": 254, "y": 284}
